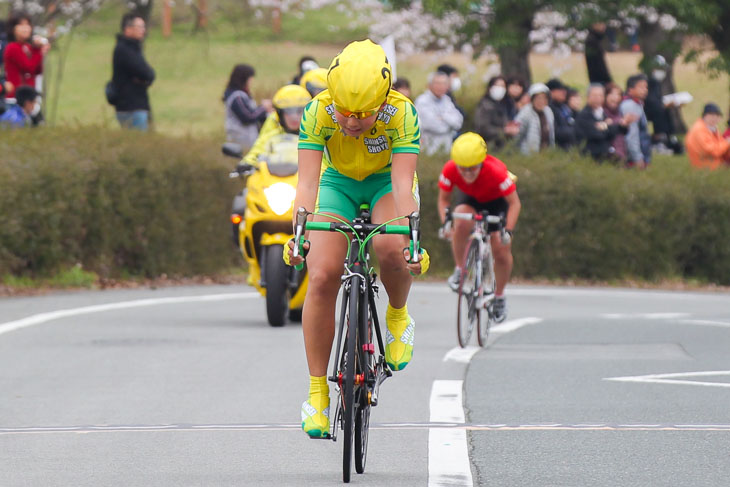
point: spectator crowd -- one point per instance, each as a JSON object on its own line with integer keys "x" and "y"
{"x": 617, "y": 125}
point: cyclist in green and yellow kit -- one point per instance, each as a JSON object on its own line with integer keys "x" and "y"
{"x": 358, "y": 144}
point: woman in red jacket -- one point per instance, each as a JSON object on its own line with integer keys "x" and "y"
{"x": 24, "y": 53}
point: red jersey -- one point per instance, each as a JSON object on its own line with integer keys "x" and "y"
{"x": 492, "y": 183}
{"x": 23, "y": 63}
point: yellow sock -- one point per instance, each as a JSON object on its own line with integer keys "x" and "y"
{"x": 319, "y": 392}
{"x": 396, "y": 319}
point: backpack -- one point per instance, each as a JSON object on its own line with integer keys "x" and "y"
{"x": 111, "y": 93}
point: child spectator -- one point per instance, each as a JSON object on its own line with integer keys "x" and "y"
{"x": 19, "y": 114}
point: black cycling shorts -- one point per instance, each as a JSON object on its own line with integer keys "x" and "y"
{"x": 494, "y": 207}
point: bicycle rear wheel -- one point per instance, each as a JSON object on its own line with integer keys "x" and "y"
{"x": 348, "y": 376}
{"x": 489, "y": 286}
{"x": 467, "y": 313}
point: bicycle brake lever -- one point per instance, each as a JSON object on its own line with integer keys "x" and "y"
{"x": 414, "y": 222}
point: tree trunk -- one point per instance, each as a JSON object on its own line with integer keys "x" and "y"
{"x": 511, "y": 38}
{"x": 166, "y": 18}
{"x": 654, "y": 40}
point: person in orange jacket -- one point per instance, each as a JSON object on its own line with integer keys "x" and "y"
{"x": 705, "y": 146}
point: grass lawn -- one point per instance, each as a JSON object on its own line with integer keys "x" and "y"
{"x": 192, "y": 69}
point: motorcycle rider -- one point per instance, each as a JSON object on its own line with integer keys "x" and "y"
{"x": 289, "y": 103}
{"x": 314, "y": 81}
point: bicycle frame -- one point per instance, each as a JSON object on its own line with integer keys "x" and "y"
{"x": 478, "y": 300}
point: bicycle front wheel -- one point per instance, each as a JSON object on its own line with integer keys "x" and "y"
{"x": 348, "y": 380}
{"x": 467, "y": 313}
{"x": 367, "y": 362}
{"x": 489, "y": 286}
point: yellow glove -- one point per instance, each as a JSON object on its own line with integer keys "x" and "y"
{"x": 303, "y": 250}
{"x": 286, "y": 256}
{"x": 425, "y": 261}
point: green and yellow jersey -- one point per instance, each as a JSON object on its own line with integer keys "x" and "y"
{"x": 395, "y": 131}
{"x": 270, "y": 128}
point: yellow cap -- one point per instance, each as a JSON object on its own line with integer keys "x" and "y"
{"x": 468, "y": 150}
{"x": 291, "y": 96}
{"x": 359, "y": 77}
{"x": 314, "y": 80}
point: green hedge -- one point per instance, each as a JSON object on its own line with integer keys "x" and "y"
{"x": 589, "y": 221}
{"x": 124, "y": 203}
{"x": 120, "y": 203}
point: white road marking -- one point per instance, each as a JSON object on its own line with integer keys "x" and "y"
{"x": 462, "y": 355}
{"x": 296, "y": 428}
{"x": 41, "y": 318}
{"x": 551, "y": 292}
{"x": 676, "y": 378}
{"x": 707, "y": 323}
{"x": 644, "y": 316}
{"x": 448, "y": 455}
{"x": 512, "y": 325}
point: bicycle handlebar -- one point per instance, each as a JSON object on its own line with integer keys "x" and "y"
{"x": 412, "y": 229}
{"x": 476, "y": 217}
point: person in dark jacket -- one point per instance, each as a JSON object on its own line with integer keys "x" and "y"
{"x": 594, "y": 126}
{"x": 563, "y": 115}
{"x": 664, "y": 138}
{"x": 596, "y": 55}
{"x": 132, "y": 76}
{"x": 490, "y": 118}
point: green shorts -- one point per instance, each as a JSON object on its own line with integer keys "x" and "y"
{"x": 343, "y": 196}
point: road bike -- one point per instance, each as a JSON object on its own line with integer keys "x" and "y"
{"x": 359, "y": 367}
{"x": 475, "y": 307}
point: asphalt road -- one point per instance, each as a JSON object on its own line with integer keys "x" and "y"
{"x": 190, "y": 386}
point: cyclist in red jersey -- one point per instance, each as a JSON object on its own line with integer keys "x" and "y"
{"x": 478, "y": 182}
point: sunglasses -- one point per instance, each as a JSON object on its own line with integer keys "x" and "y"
{"x": 470, "y": 169}
{"x": 359, "y": 115}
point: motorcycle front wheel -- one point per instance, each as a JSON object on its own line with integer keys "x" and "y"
{"x": 277, "y": 288}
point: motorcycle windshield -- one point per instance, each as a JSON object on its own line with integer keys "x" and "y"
{"x": 282, "y": 169}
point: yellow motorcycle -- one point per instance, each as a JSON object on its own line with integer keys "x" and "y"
{"x": 262, "y": 216}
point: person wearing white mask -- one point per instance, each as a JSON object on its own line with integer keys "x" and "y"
{"x": 596, "y": 129}
{"x": 454, "y": 84}
{"x": 658, "y": 112}
{"x": 490, "y": 119}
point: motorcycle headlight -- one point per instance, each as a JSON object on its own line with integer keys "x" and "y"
{"x": 280, "y": 197}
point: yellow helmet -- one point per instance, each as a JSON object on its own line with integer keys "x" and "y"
{"x": 314, "y": 81}
{"x": 468, "y": 150}
{"x": 291, "y": 96}
{"x": 359, "y": 77}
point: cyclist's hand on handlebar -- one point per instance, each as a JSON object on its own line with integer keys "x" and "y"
{"x": 446, "y": 231}
{"x": 420, "y": 267}
{"x": 289, "y": 250}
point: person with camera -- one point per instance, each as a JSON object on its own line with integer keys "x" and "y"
{"x": 23, "y": 55}
{"x": 131, "y": 76}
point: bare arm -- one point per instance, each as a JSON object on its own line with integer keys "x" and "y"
{"x": 443, "y": 203}
{"x": 310, "y": 163}
{"x": 513, "y": 213}
{"x": 402, "y": 173}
